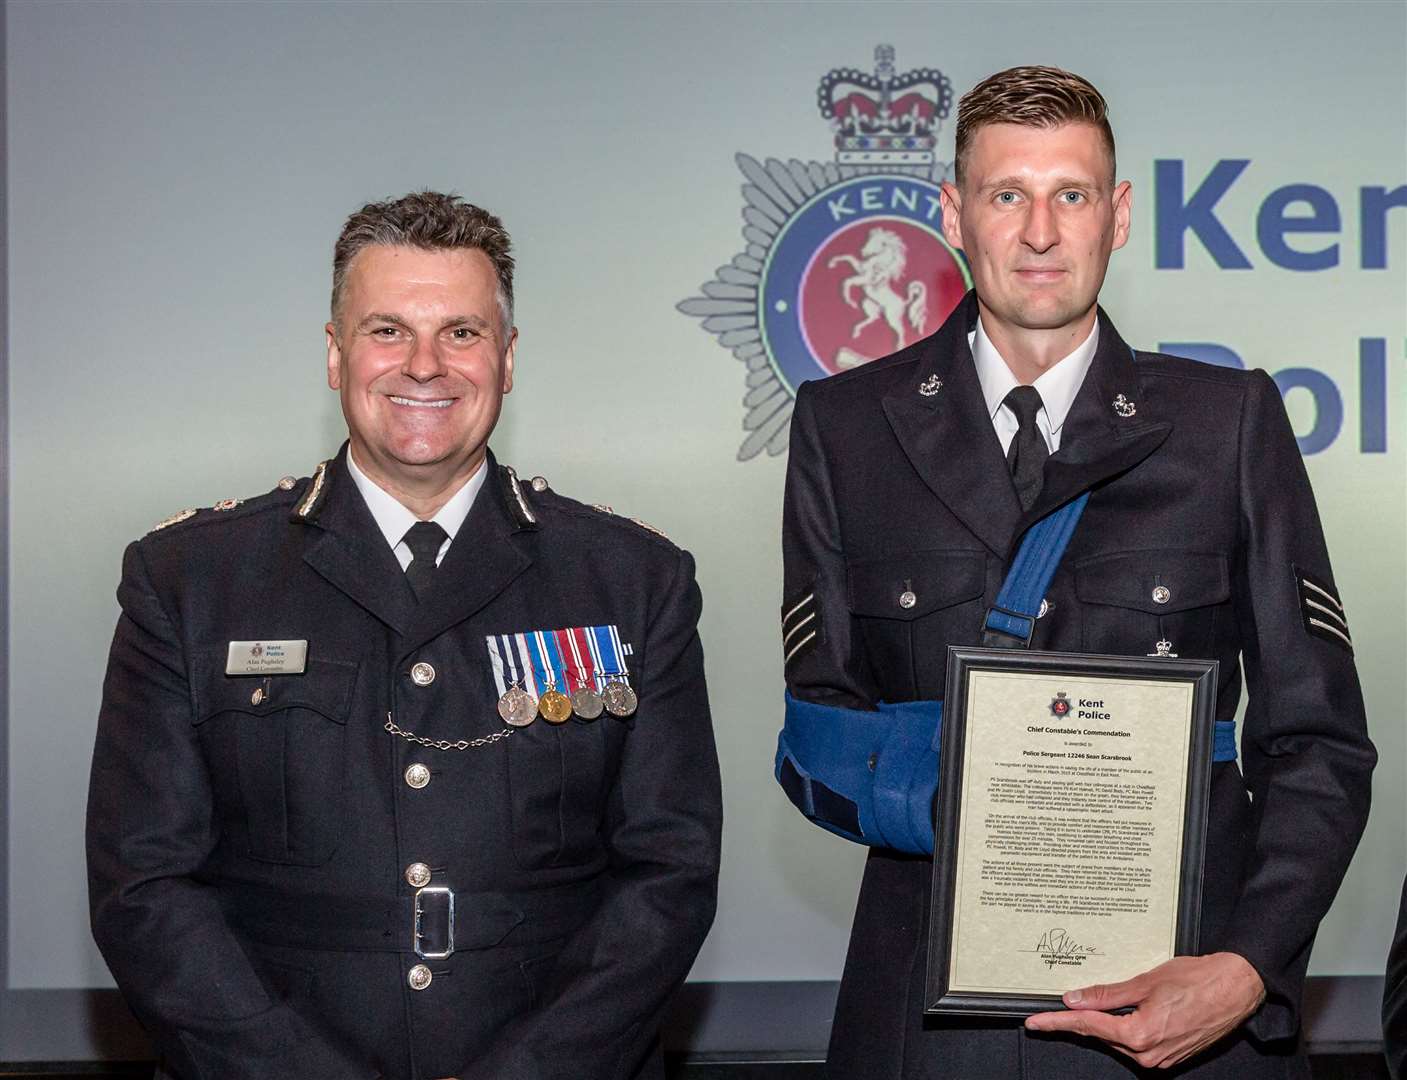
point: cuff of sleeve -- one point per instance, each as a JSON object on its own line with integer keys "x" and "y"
{"x": 1279, "y": 1014}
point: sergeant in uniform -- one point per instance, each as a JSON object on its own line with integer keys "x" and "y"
{"x": 405, "y": 769}
{"x": 910, "y": 484}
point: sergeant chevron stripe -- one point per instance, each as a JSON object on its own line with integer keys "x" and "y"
{"x": 800, "y": 624}
{"x": 1322, "y": 612}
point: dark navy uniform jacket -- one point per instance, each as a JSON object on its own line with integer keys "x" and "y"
{"x": 248, "y": 852}
{"x": 1395, "y": 996}
{"x": 1200, "y": 491}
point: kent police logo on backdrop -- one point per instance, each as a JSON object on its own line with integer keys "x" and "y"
{"x": 845, "y": 260}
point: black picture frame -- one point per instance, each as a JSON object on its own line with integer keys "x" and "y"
{"x": 962, "y": 660}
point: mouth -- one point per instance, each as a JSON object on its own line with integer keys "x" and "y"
{"x": 1040, "y": 273}
{"x": 416, "y": 403}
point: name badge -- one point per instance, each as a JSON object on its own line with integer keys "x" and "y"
{"x": 267, "y": 658}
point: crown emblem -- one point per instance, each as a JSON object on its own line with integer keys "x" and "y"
{"x": 843, "y": 261}
{"x": 885, "y": 118}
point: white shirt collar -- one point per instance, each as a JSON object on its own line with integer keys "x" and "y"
{"x": 393, "y": 518}
{"x": 1058, "y": 385}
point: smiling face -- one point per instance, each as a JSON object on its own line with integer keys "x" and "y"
{"x": 1038, "y": 215}
{"x": 421, "y": 361}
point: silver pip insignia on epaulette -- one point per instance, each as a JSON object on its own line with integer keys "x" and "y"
{"x": 175, "y": 519}
{"x": 603, "y": 508}
{"x": 650, "y": 528}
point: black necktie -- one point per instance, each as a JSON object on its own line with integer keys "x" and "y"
{"x": 424, "y": 539}
{"x": 1027, "y": 453}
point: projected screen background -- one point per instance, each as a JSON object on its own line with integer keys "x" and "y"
{"x": 178, "y": 172}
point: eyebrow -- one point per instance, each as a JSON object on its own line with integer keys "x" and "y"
{"x": 454, "y": 320}
{"x": 1060, "y": 182}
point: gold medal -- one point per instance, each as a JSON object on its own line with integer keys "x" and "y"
{"x": 618, "y": 698}
{"x": 554, "y": 706}
{"x": 517, "y": 707}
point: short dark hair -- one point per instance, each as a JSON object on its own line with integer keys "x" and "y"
{"x": 433, "y": 222}
{"x": 1033, "y": 97}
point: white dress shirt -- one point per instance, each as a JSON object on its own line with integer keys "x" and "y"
{"x": 1057, "y": 386}
{"x": 394, "y": 519}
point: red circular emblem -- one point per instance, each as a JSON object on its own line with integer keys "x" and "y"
{"x": 875, "y": 286}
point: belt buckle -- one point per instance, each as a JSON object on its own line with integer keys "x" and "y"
{"x": 1024, "y": 638}
{"x": 448, "y": 894}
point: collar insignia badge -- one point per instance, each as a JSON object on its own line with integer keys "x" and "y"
{"x": 1124, "y": 407}
{"x": 930, "y": 386}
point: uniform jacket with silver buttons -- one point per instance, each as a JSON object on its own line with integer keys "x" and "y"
{"x": 255, "y": 845}
{"x": 1201, "y": 532}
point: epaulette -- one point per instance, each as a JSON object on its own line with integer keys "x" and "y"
{"x": 603, "y": 508}
{"x": 522, "y": 513}
{"x": 223, "y": 506}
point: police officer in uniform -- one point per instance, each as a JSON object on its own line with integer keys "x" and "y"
{"x": 405, "y": 769}
{"x": 910, "y": 484}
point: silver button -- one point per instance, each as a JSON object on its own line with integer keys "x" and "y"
{"x": 419, "y": 977}
{"x": 257, "y": 698}
{"x": 417, "y": 775}
{"x": 417, "y": 875}
{"x": 422, "y": 674}
{"x": 287, "y": 483}
{"x": 539, "y": 483}
{"x": 1161, "y": 595}
{"x": 907, "y": 599}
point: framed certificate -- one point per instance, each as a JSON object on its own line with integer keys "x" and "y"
{"x": 1072, "y": 813}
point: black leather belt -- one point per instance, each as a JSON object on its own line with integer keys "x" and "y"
{"x": 433, "y": 922}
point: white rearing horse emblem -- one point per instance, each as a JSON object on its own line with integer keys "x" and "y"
{"x": 881, "y": 264}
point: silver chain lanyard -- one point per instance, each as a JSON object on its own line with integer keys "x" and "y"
{"x": 445, "y": 744}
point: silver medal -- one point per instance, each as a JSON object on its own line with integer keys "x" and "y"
{"x": 517, "y": 707}
{"x": 618, "y": 698}
{"x": 587, "y": 703}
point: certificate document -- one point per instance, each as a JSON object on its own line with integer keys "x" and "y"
{"x": 1071, "y": 824}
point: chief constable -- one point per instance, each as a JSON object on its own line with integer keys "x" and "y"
{"x": 911, "y": 482}
{"x": 405, "y": 769}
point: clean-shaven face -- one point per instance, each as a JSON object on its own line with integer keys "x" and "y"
{"x": 421, "y": 361}
{"x": 1038, "y": 215}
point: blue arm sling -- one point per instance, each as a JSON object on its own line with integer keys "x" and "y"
{"x": 870, "y": 776}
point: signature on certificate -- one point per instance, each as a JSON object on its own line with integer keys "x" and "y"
{"x": 1058, "y": 946}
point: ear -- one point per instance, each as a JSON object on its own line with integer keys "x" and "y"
{"x": 1123, "y": 213}
{"x": 334, "y": 358}
{"x": 951, "y": 200}
{"x": 508, "y": 360}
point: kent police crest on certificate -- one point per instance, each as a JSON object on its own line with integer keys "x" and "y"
{"x": 1072, "y": 817}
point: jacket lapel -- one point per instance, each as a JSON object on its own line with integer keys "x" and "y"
{"x": 948, "y": 437}
{"x": 487, "y": 554}
{"x": 1098, "y": 443}
{"x": 351, "y": 553}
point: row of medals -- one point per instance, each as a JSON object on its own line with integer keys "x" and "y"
{"x": 519, "y": 708}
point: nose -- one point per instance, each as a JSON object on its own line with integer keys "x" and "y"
{"x": 424, "y": 361}
{"x": 1039, "y": 232}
